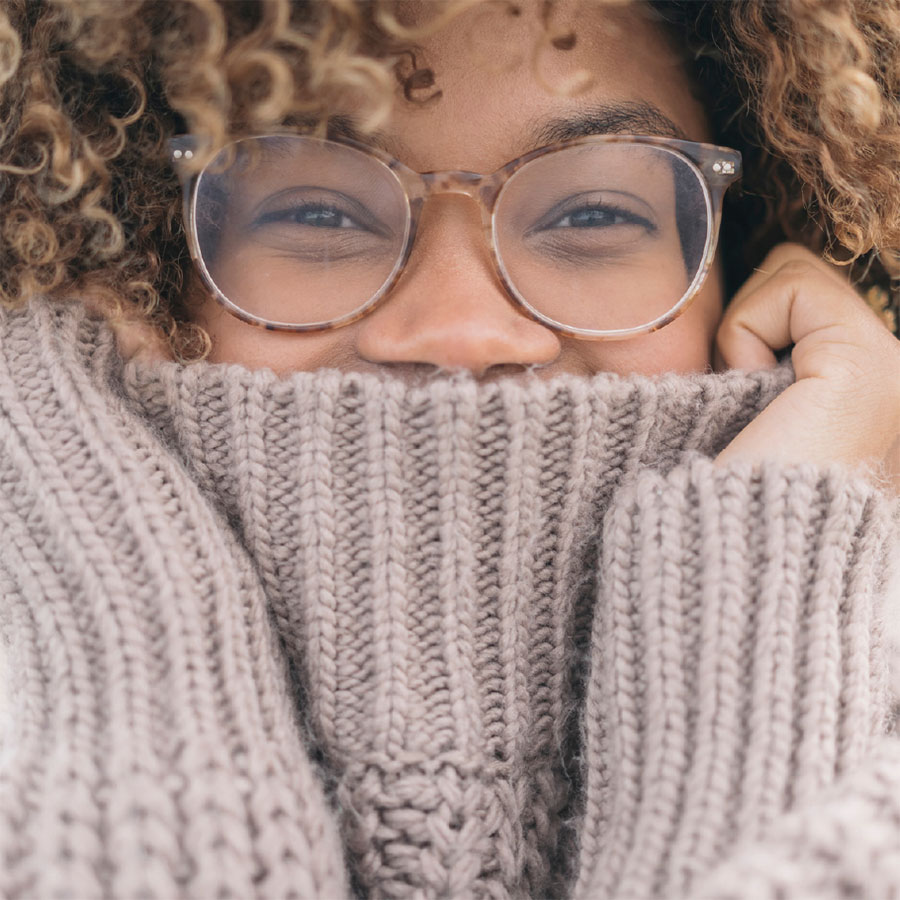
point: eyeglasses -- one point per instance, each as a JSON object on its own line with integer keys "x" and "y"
{"x": 598, "y": 238}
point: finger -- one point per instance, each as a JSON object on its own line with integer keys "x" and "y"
{"x": 776, "y": 258}
{"x": 798, "y": 304}
{"x": 739, "y": 342}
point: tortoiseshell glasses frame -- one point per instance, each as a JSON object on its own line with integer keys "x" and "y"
{"x": 716, "y": 168}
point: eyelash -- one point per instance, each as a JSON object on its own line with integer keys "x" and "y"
{"x": 290, "y": 215}
{"x": 629, "y": 217}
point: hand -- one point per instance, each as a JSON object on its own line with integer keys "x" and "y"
{"x": 844, "y": 405}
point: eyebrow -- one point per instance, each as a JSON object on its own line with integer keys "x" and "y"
{"x": 622, "y": 117}
{"x": 345, "y": 127}
{"x": 627, "y": 117}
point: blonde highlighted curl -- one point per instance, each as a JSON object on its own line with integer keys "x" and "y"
{"x": 91, "y": 91}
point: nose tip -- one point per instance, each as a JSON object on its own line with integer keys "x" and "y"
{"x": 457, "y": 333}
{"x": 452, "y": 342}
{"x": 450, "y": 309}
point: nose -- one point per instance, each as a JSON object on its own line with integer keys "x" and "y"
{"x": 448, "y": 309}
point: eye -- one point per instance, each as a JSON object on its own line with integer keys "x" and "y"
{"x": 316, "y": 208}
{"x": 597, "y": 216}
{"x": 315, "y": 215}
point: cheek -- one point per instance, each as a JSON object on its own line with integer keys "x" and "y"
{"x": 274, "y": 285}
{"x": 233, "y": 341}
{"x": 684, "y": 346}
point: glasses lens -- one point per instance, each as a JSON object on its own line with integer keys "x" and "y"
{"x": 297, "y": 230}
{"x": 603, "y": 236}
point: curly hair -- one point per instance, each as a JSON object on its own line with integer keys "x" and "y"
{"x": 91, "y": 91}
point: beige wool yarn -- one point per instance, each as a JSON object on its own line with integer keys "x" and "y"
{"x": 332, "y": 635}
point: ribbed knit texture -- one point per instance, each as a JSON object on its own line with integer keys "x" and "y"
{"x": 151, "y": 748}
{"x": 331, "y": 633}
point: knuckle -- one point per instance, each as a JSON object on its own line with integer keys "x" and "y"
{"x": 850, "y": 373}
{"x": 789, "y": 251}
{"x": 799, "y": 270}
{"x": 862, "y": 375}
{"x": 733, "y": 328}
{"x": 726, "y": 325}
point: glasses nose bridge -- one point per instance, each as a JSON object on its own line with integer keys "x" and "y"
{"x": 482, "y": 189}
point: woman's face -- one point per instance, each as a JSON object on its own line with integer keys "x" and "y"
{"x": 449, "y": 310}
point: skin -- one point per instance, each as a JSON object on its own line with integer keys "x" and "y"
{"x": 449, "y": 311}
{"x": 844, "y": 406}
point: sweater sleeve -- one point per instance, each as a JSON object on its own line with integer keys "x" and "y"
{"x": 737, "y": 714}
{"x": 149, "y": 747}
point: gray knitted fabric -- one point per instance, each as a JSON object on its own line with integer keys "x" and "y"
{"x": 331, "y": 634}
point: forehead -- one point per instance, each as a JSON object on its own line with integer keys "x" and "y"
{"x": 509, "y": 78}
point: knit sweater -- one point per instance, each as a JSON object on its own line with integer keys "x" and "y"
{"x": 332, "y": 635}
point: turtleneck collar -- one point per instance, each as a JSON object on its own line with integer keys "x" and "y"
{"x": 429, "y": 556}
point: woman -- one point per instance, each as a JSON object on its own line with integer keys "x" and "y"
{"x": 499, "y": 561}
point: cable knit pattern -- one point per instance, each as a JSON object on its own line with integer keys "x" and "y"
{"x": 515, "y": 639}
